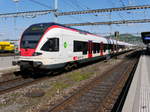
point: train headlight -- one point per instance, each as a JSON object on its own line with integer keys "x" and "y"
{"x": 36, "y": 54}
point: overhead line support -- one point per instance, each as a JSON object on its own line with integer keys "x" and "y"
{"x": 103, "y": 10}
{"x": 109, "y": 22}
{"x": 24, "y": 14}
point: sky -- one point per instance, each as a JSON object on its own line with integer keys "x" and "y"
{"x": 12, "y": 28}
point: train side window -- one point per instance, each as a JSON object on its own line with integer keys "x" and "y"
{"x": 115, "y": 47}
{"x": 105, "y": 47}
{"x": 52, "y": 45}
{"x": 96, "y": 48}
{"x": 85, "y": 47}
{"x": 80, "y": 46}
{"x": 109, "y": 46}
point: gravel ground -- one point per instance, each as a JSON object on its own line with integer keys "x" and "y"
{"x": 9, "y": 73}
{"x": 39, "y": 97}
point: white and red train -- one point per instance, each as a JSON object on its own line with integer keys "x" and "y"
{"x": 49, "y": 46}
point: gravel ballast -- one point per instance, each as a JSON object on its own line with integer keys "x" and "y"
{"x": 45, "y": 94}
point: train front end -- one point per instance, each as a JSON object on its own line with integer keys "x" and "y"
{"x": 30, "y": 58}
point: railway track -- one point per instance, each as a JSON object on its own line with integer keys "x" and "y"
{"x": 20, "y": 82}
{"x": 17, "y": 82}
{"x": 10, "y": 85}
{"x": 8, "y": 76}
{"x": 100, "y": 94}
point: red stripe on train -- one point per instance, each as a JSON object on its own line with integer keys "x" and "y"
{"x": 26, "y": 52}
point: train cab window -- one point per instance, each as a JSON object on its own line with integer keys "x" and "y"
{"x": 52, "y": 45}
{"x": 30, "y": 40}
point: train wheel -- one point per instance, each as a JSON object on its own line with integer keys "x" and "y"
{"x": 71, "y": 66}
{"x": 75, "y": 65}
{"x": 28, "y": 70}
{"x": 50, "y": 73}
{"x": 25, "y": 72}
{"x": 22, "y": 69}
{"x": 68, "y": 67}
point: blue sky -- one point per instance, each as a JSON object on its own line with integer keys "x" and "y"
{"x": 12, "y": 28}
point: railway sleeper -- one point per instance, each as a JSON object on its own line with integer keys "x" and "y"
{"x": 90, "y": 100}
{"x": 94, "y": 95}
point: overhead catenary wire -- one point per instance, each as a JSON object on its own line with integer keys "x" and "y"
{"x": 73, "y": 5}
{"x": 70, "y": 4}
{"x": 80, "y": 5}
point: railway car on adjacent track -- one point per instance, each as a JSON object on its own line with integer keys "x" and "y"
{"x": 49, "y": 46}
{"x": 6, "y": 47}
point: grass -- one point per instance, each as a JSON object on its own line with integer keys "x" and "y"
{"x": 79, "y": 76}
{"x": 60, "y": 85}
{"x": 57, "y": 86}
{"x": 14, "y": 95}
{"x": 63, "y": 84}
{"x": 3, "y": 105}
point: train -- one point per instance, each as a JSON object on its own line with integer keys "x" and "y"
{"x": 50, "y": 46}
{"x": 6, "y": 47}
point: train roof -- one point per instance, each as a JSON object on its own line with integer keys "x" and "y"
{"x": 43, "y": 26}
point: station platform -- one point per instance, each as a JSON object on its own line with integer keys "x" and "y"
{"x": 138, "y": 97}
{"x": 6, "y": 64}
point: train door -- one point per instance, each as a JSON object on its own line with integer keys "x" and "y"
{"x": 90, "y": 47}
{"x": 101, "y": 48}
